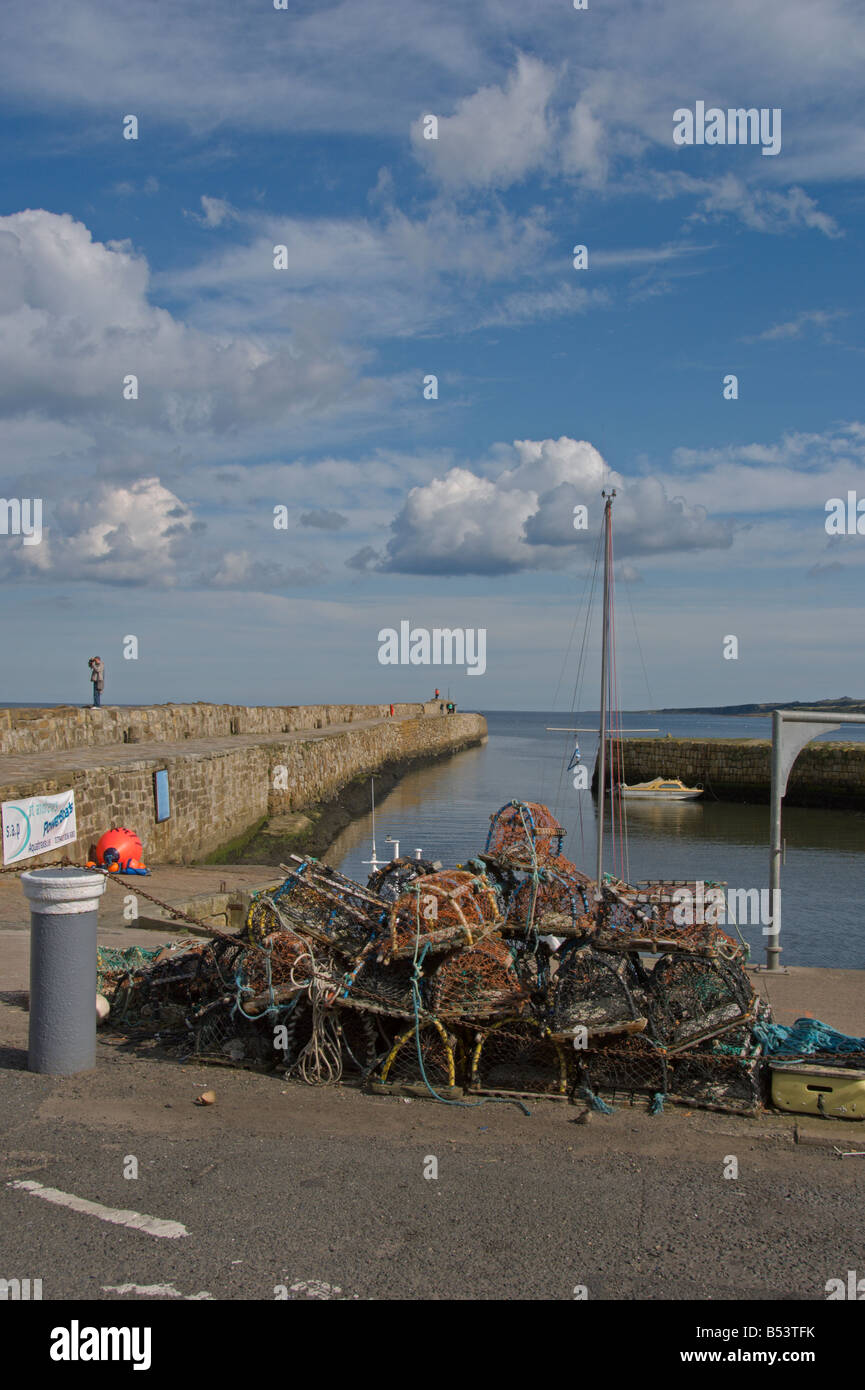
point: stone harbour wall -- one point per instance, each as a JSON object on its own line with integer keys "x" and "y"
{"x": 74, "y": 726}
{"x": 218, "y": 795}
{"x": 824, "y": 774}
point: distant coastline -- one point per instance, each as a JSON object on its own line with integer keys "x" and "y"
{"x": 844, "y": 705}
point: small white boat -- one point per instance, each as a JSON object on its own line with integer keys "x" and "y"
{"x": 661, "y": 789}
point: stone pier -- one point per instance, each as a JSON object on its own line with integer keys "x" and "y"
{"x": 229, "y": 766}
{"x": 731, "y": 769}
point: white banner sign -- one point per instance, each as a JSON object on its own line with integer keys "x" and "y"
{"x": 37, "y": 824}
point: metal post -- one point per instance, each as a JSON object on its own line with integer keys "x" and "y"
{"x": 773, "y": 943}
{"x": 602, "y": 763}
{"x": 64, "y": 908}
{"x": 791, "y": 731}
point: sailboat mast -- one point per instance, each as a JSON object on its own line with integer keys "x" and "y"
{"x": 605, "y": 655}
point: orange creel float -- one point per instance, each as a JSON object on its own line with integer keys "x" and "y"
{"x": 119, "y": 851}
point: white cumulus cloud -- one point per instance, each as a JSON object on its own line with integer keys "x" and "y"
{"x": 497, "y": 135}
{"x": 76, "y": 319}
{"x": 109, "y": 534}
{"x": 523, "y": 519}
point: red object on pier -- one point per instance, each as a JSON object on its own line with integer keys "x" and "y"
{"x": 119, "y": 850}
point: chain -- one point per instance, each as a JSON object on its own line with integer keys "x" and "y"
{"x": 176, "y": 913}
{"x": 64, "y": 863}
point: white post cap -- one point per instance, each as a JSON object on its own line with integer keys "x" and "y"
{"x": 56, "y": 892}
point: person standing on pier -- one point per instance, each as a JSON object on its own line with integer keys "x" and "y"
{"x": 97, "y": 676}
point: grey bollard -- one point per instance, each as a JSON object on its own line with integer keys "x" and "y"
{"x": 64, "y": 908}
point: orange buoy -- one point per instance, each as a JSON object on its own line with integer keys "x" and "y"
{"x": 120, "y": 850}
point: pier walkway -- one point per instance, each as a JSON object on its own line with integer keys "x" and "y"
{"x": 57, "y": 762}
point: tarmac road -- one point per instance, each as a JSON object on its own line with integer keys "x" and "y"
{"x": 281, "y": 1185}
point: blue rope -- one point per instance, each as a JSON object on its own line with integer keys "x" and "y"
{"x": 594, "y": 1102}
{"x": 273, "y": 1007}
{"x": 805, "y": 1036}
{"x": 535, "y": 873}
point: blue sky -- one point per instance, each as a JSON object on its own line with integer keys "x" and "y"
{"x": 303, "y": 387}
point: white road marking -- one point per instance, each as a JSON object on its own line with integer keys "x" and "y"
{"x": 317, "y": 1288}
{"x": 155, "y": 1291}
{"x": 150, "y": 1225}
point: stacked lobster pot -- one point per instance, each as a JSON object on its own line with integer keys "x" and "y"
{"x": 641, "y": 995}
{"x": 507, "y": 975}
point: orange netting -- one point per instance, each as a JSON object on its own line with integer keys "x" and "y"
{"x": 480, "y": 979}
{"x": 524, "y": 833}
{"x": 448, "y": 906}
{"x": 277, "y": 962}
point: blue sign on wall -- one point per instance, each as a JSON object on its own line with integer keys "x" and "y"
{"x": 161, "y": 794}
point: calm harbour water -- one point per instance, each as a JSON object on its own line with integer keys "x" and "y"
{"x": 445, "y": 809}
